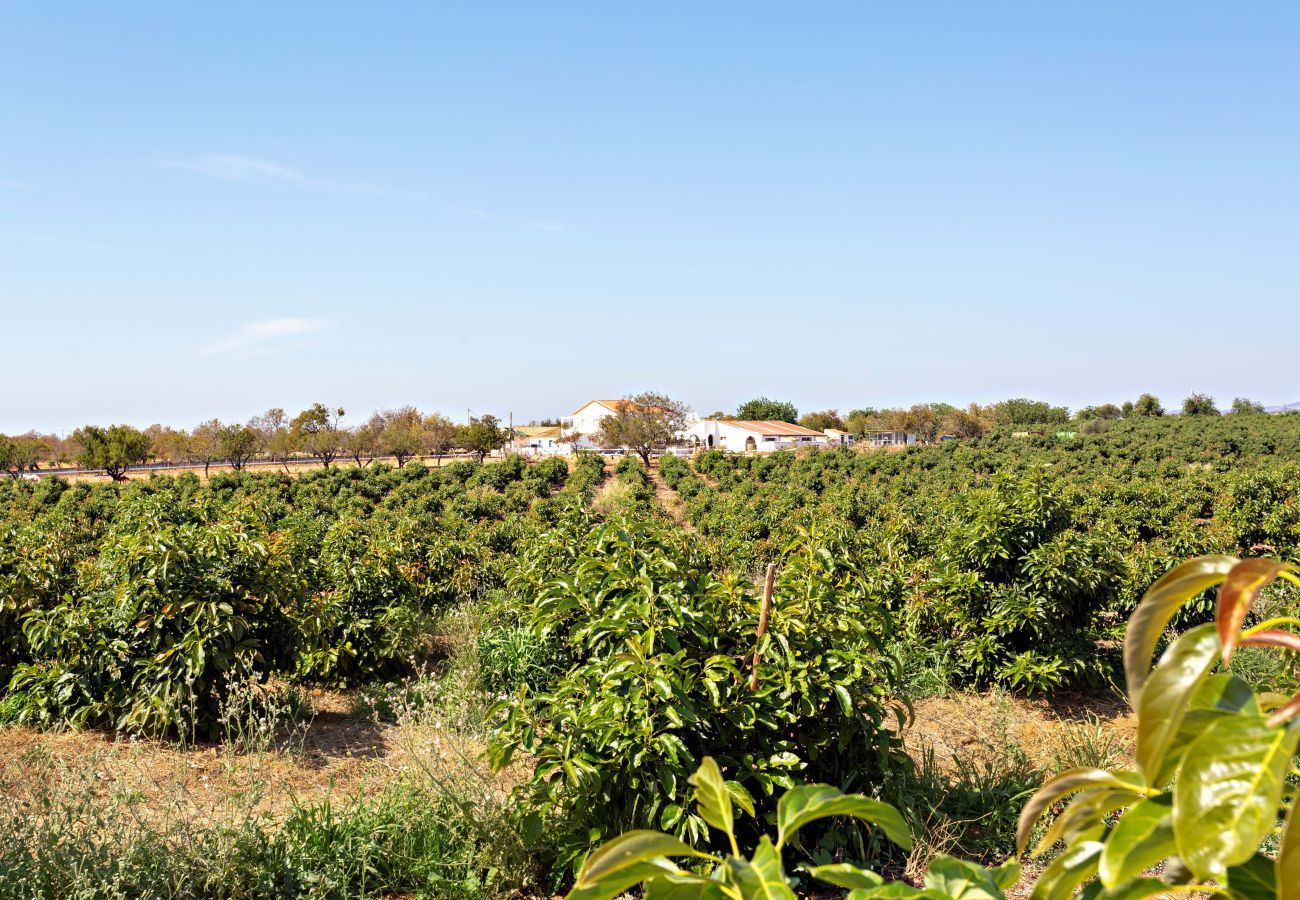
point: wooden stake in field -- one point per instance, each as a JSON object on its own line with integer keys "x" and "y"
{"x": 764, "y": 611}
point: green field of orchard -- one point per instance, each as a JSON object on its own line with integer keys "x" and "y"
{"x": 654, "y": 715}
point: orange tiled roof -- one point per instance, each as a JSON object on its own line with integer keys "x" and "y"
{"x": 782, "y": 429}
{"x": 611, "y": 405}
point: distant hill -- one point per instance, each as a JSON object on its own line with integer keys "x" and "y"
{"x": 1285, "y": 407}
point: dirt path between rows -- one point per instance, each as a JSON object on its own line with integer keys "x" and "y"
{"x": 670, "y": 500}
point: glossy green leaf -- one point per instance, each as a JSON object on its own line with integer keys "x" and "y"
{"x": 625, "y": 861}
{"x": 1257, "y": 879}
{"x": 1084, "y": 817}
{"x": 761, "y": 878}
{"x": 712, "y": 797}
{"x": 1139, "y": 889}
{"x": 1007, "y": 874}
{"x": 1218, "y": 696}
{"x": 1228, "y": 692}
{"x": 1143, "y": 837}
{"x": 1288, "y": 857}
{"x": 1164, "y": 701}
{"x": 616, "y": 882}
{"x": 741, "y": 796}
{"x": 1068, "y": 782}
{"x": 1237, "y": 595}
{"x": 1158, "y": 607}
{"x": 683, "y": 887}
{"x": 1228, "y": 791}
{"x": 1069, "y": 870}
{"x": 896, "y": 889}
{"x": 808, "y": 803}
{"x": 963, "y": 880}
{"x": 846, "y": 876}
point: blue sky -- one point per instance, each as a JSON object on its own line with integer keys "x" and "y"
{"x": 210, "y": 209}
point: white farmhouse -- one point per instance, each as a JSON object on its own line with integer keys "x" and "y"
{"x": 837, "y": 438}
{"x": 538, "y": 440}
{"x": 742, "y": 436}
{"x": 587, "y": 420}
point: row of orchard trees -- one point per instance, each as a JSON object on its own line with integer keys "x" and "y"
{"x": 928, "y": 421}
{"x": 316, "y": 433}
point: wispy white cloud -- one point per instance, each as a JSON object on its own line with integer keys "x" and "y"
{"x": 264, "y": 172}
{"x": 484, "y": 215}
{"x": 262, "y": 337}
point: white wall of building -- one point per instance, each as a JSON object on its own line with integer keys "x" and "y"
{"x": 588, "y": 419}
{"x": 722, "y": 435}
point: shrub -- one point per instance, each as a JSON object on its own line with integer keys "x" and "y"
{"x": 660, "y": 653}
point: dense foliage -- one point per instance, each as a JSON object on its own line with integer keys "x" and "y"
{"x": 657, "y": 656}
{"x": 625, "y": 641}
{"x": 1015, "y": 559}
{"x": 133, "y": 606}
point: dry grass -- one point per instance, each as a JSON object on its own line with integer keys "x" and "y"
{"x": 968, "y": 724}
{"x": 336, "y": 757}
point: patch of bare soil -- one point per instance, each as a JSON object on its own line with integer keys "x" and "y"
{"x": 1006, "y": 731}
{"x": 1045, "y": 728}
{"x": 336, "y": 756}
{"x": 670, "y": 500}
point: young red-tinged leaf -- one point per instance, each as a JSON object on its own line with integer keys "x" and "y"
{"x": 1286, "y": 712}
{"x": 1068, "y": 782}
{"x": 1164, "y": 701}
{"x": 1228, "y": 791}
{"x": 1272, "y": 637}
{"x": 1237, "y": 596}
{"x": 1158, "y": 606}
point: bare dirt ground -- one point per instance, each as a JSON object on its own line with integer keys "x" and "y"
{"x": 338, "y": 756}
{"x": 669, "y": 499}
{"x": 343, "y": 757}
{"x": 969, "y": 725}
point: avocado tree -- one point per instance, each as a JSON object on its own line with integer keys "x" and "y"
{"x": 114, "y": 449}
